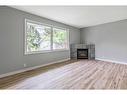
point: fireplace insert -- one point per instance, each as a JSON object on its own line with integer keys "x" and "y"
{"x": 82, "y": 53}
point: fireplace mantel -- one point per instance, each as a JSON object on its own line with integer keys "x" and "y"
{"x": 90, "y": 47}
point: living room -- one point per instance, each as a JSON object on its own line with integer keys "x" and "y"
{"x": 63, "y": 47}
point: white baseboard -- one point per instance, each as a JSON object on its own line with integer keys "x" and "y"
{"x": 113, "y": 61}
{"x": 30, "y": 68}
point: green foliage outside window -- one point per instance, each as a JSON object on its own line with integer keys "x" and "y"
{"x": 40, "y": 37}
{"x": 59, "y": 38}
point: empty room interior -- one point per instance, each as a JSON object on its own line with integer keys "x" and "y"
{"x": 63, "y": 47}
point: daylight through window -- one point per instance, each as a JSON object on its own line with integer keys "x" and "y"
{"x": 42, "y": 38}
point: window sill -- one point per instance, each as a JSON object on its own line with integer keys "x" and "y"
{"x": 44, "y": 52}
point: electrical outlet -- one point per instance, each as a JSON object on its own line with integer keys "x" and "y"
{"x": 24, "y": 65}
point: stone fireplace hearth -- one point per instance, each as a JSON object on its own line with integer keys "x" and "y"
{"x": 82, "y": 51}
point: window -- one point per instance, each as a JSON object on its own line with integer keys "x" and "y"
{"x": 43, "y": 38}
{"x": 60, "y": 40}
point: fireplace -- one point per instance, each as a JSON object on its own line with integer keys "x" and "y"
{"x": 82, "y": 53}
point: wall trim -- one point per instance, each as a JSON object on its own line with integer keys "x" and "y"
{"x": 113, "y": 61}
{"x": 31, "y": 68}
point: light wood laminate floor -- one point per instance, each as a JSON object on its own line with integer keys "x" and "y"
{"x": 73, "y": 74}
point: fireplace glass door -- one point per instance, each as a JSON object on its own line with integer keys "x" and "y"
{"x": 82, "y": 53}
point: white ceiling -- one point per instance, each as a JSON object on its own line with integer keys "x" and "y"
{"x": 79, "y": 16}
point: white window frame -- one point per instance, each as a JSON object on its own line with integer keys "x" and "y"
{"x": 45, "y": 51}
